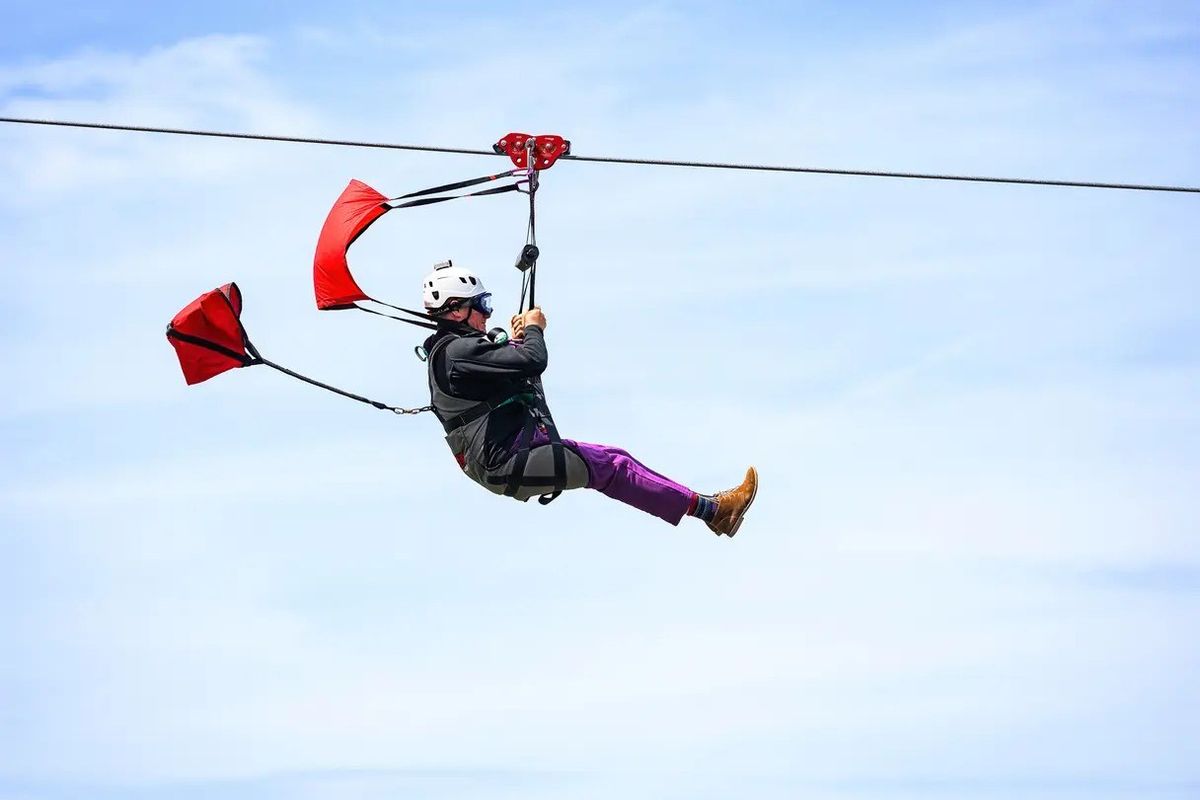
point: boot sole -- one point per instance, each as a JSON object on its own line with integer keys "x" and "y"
{"x": 749, "y": 503}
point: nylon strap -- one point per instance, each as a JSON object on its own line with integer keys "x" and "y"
{"x": 428, "y": 325}
{"x": 450, "y": 187}
{"x": 513, "y": 481}
{"x": 428, "y": 201}
{"x": 560, "y": 462}
{"x": 216, "y": 348}
{"x": 517, "y": 477}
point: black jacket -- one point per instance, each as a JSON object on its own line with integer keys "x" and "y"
{"x": 474, "y": 368}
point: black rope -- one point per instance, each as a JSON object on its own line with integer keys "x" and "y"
{"x": 531, "y": 239}
{"x": 524, "y": 290}
{"x": 342, "y": 392}
{"x": 1145, "y": 187}
{"x": 431, "y": 326}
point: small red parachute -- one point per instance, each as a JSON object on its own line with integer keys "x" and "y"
{"x": 209, "y": 339}
{"x": 208, "y": 335}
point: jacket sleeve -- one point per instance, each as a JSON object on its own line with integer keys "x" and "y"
{"x": 476, "y": 359}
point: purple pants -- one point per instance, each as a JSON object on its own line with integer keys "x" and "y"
{"x": 615, "y": 473}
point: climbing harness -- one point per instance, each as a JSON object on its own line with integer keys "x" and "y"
{"x": 464, "y": 422}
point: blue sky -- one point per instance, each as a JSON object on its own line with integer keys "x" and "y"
{"x": 973, "y": 566}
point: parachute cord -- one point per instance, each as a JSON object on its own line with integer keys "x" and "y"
{"x": 342, "y": 392}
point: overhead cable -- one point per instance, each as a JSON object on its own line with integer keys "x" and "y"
{"x": 615, "y": 160}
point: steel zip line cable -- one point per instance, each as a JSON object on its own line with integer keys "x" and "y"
{"x": 614, "y": 160}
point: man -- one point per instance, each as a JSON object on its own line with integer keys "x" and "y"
{"x": 487, "y": 392}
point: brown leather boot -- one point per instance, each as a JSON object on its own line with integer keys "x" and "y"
{"x": 733, "y": 504}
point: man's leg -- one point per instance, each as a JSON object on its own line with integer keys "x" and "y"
{"x": 615, "y": 473}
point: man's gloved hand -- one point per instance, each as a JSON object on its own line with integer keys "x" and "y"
{"x": 518, "y": 326}
{"x": 534, "y": 316}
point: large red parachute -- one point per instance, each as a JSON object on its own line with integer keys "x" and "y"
{"x": 208, "y": 337}
{"x": 357, "y": 207}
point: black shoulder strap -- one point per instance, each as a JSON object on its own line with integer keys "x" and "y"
{"x": 431, "y": 359}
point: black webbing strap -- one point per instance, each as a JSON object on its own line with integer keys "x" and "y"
{"x": 560, "y": 463}
{"x": 428, "y": 321}
{"x": 429, "y": 325}
{"x": 517, "y": 477}
{"x": 428, "y": 201}
{"x": 450, "y": 187}
{"x": 514, "y": 480}
{"x": 216, "y": 348}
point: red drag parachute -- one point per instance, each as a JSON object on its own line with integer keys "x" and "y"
{"x": 208, "y": 335}
{"x": 209, "y": 339}
{"x": 357, "y": 207}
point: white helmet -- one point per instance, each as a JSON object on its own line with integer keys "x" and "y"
{"x": 448, "y": 282}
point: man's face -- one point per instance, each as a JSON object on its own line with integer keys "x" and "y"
{"x": 472, "y": 317}
{"x": 477, "y": 320}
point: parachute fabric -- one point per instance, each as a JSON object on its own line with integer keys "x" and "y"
{"x": 358, "y": 206}
{"x": 208, "y": 337}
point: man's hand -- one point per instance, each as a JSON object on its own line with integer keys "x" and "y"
{"x": 518, "y": 326}
{"x": 534, "y": 316}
